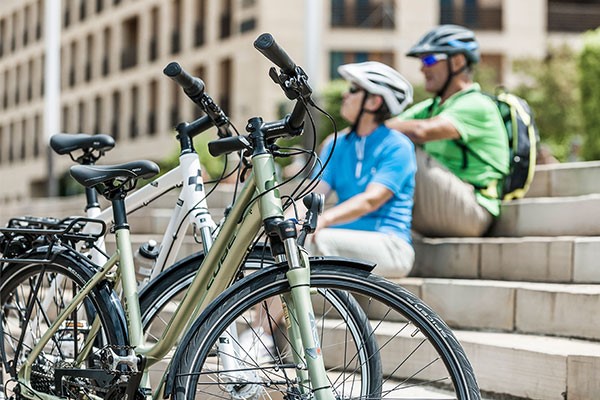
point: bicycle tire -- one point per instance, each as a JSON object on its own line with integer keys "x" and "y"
{"x": 419, "y": 353}
{"x": 58, "y": 281}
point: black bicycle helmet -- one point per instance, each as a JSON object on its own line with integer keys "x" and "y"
{"x": 448, "y": 39}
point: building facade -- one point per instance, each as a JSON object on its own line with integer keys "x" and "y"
{"x": 112, "y": 54}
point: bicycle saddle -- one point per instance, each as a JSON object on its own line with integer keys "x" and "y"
{"x": 92, "y": 175}
{"x": 64, "y": 143}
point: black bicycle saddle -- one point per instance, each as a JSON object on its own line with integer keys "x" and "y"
{"x": 92, "y": 175}
{"x": 64, "y": 143}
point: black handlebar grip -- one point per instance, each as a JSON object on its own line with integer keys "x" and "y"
{"x": 228, "y": 145}
{"x": 191, "y": 85}
{"x": 267, "y": 45}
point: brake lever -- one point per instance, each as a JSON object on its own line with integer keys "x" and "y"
{"x": 314, "y": 203}
{"x": 293, "y": 86}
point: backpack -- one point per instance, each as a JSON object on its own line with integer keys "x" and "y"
{"x": 523, "y": 139}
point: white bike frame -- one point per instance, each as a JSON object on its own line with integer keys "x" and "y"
{"x": 191, "y": 197}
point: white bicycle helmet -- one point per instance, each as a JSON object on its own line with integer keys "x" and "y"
{"x": 378, "y": 78}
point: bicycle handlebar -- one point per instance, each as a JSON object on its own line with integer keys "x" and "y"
{"x": 294, "y": 83}
{"x": 266, "y": 44}
{"x": 228, "y": 145}
{"x": 193, "y": 87}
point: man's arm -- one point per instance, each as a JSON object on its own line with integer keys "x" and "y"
{"x": 425, "y": 130}
{"x": 355, "y": 207}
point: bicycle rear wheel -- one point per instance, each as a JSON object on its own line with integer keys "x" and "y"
{"x": 420, "y": 357}
{"x": 32, "y": 296}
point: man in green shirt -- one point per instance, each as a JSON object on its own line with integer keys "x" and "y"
{"x": 464, "y": 143}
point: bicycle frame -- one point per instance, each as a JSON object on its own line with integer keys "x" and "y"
{"x": 259, "y": 200}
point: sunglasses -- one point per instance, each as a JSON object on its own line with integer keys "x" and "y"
{"x": 432, "y": 59}
{"x": 355, "y": 89}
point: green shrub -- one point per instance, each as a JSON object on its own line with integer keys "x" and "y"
{"x": 589, "y": 70}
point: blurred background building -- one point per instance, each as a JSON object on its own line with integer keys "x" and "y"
{"x": 112, "y": 54}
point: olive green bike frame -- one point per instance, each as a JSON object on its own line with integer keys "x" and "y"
{"x": 259, "y": 200}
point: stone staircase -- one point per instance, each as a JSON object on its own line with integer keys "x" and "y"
{"x": 523, "y": 301}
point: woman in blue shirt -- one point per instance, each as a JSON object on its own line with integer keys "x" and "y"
{"x": 372, "y": 171}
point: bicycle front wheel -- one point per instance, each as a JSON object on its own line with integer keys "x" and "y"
{"x": 419, "y": 356}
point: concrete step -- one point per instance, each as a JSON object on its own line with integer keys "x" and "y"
{"x": 566, "y": 310}
{"x": 550, "y": 216}
{"x": 567, "y": 259}
{"x": 533, "y": 367}
{"x": 567, "y": 179}
{"x": 510, "y": 365}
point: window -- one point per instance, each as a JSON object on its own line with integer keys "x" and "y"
{"x": 366, "y": 14}
{"x": 17, "y": 84}
{"x": 2, "y": 36}
{"x": 30, "y": 80}
{"x": 337, "y": 58}
{"x": 89, "y": 50}
{"x": 133, "y": 124}
{"x": 97, "y": 114}
{"x": 65, "y": 119}
{"x": 82, "y": 9}
{"x": 81, "y": 117}
{"x": 37, "y": 133}
{"x": 153, "y": 107}
{"x": 74, "y": 57}
{"x": 225, "y": 19}
{"x": 474, "y": 14}
{"x": 492, "y": 64}
{"x": 248, "y": 25}
{"x": 116, "y": 111}
{"x": 225, "y": 80}
{"x": 153, "y": 51}
{"x": 38, "y": 23}
{"x": 28, "y": 20}
{"x": 67, "y": 14}
{"x": 573, "y": 15}
{"x": 23, "y": 142}
{"x": 2, "y": 85}
{"x": 1, "y": 144}
{"x": 11, "y": 142}
{"x": 11, "y": 35}
{"x": 200, "y": 23}
{"x": 176, "y": 33}
{"x": 106, "y": 58}
{"x": 130, "y": 42}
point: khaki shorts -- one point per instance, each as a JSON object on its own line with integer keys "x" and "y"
{"x": 444, "y": 204}
{"x": 394, "y": 257}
